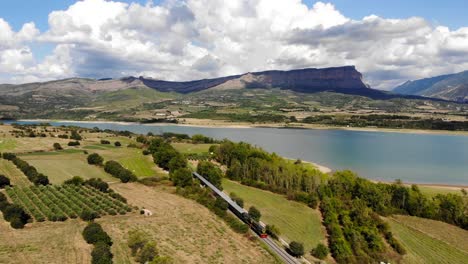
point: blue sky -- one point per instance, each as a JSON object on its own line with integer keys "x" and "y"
{"x": 451, "y": 13}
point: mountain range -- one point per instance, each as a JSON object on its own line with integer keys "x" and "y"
{"x": 451, "y": 87}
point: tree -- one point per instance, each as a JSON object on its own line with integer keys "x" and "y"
{"x": 296, "y": 249}
{"x": 101, "y": 254}
{"x": 75, "y": 135}
{"x": 147, "y": 253}
{"x": 57, "y": 146}
{"x": 88, "y": 215}
{"x": 211, "y": 172}
{"x": 117, "y": 144}
{"x": 181, "y": 177}
{"x": 98, "y": 184}
{"x": 105, "y": 142}
{"x": 177, "y": 162}
{"x": 137, "y": 240}
{"x": 320, "y": 251}
{"x": 254, "y": 213}
{"x": 95, "y": 159}
{"x": 273, "y": 231}
{"x": 4, "y": 181}
{"x": 76, "y": 180}
{"x": 93, "y": 233}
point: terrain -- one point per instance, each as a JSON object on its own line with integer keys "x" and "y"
{"x": 453, "y": 87}
{"x": 329, "y": 97}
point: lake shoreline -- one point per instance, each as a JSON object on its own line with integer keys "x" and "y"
{"x": 208, "y": 123}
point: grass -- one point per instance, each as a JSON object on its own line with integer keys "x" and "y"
{"x": 432, "y": 191}
{"x": 187, "y": 148}
{"x": 428, "y": 241}
{"x": 296, "y": 221}
{"x": 16, "y": 177}
{"x": 62, "y": 166}
{"x": 7, "y": 144}
{"x": 132, "y": 159}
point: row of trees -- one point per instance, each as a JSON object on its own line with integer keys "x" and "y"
{"x": 28, "y": 170}
{"x": 115, "y": 169}
{"x": 13, "y": 213}
{"x": 95, "y": 235}
{"x": 255, "y": 167}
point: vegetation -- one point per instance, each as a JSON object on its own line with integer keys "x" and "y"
{"x": 4, "y": 181}
{"x": 57, "y": 203}
{"x": 57, "y": 146}
{"x": 211, "y": 172}
{"x": 28, "y": 170}
{"x": 143, "y": 249}
{"x": 296, "y": 249}
{"x": 13, "y": 213}
{"x": 254, "y": 213}
{"x": 94, "y": 234}
{"x": 95, "y": 159}
{"x": 115, "y": 169}
{"x": 320, "y": 251}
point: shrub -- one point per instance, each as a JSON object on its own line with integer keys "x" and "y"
{"x": 137, "y": 240}
{"x": 95, "y": 159}
{"x": 181, "y": 177}
{"x": 73, "y": 143}
{"x": 296, "y": 249}
{"x": 101, "y": 254}
{"x": 147, "y": 253}
{"x": 93, "y": 233}
{"x": 146, "y": 152}
{"x": 88, "y": 215}
{"x": 320, "y": 251}
{"x": 117, "y": 144}
{"x": 273, "y": 231}
{"x": 57, "y": 146}
{"x": 105, "y": 142}
{"x": 74, "y": 135}
{"x": 211, "y": 172}
{"x": 98, "y": 184}
{"x": 254, "y": 213}
{"x": 76, "y": 180}
{"x": 4, "y": 181}
{"x": 16, "y": 223}
{"x": 115, "y": 169}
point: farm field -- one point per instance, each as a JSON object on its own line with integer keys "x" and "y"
{"x": 60, "y": 166}
{"x": 191, "y": 148}
{"x": 57, "y": 203}
{"x": 16, "y": 177}
{"x": 428, "y": 241}
{"x": 295, "y": 221}
{"x": 46, "y": 242}
{"x": 130, "y": 158}
{"x": 183, "y": 229}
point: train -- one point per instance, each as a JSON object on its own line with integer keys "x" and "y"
{"x": 257, "y": 227}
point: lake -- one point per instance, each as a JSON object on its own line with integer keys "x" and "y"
{"x": 415, "y": 158}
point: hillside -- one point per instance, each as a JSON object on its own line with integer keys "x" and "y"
{"x": 453, "y": 87}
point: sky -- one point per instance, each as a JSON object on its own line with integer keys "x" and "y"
{"x": 390, "y": 42}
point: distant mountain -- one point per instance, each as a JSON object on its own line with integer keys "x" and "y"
{"x": 453, "y": 87}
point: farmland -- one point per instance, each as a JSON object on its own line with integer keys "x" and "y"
{"x": 57, "y": 203}
{"x": 296, "y": 221}
{"x": 428, "y": 241}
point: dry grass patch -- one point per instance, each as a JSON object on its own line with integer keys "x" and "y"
{"x": 183, "y": 229}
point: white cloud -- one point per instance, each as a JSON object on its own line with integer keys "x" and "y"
{"x": 183, "y": 40}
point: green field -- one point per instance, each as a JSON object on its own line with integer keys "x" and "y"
{"x": 7, "y": 144}
{"x": 130, "y": 158}
{"x": 422, "y": 239}
{"x": 434, "y": 190}
{"x": 16, "y": 177}
{"x": 187, "y": 148}
{"x": 296, "y": 221}
{"x": 60, "y": 166}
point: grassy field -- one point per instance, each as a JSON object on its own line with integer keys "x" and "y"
{"x": 434, "y": 190}
{"x": 191, "y": 148}
{"x": 60, "y": 166}
{"x": 16, "y": 177}
{"x": 428, "y": 241}
{"x": 7, "y": 144}
{"x": 131, "y": 158}
{"x": 296, "y": 221}
{"x": 46, "y": 242}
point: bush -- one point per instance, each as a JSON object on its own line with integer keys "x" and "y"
{"x": 93, "y": 233}
{"x": 16, "y": 223}
{"x": 115, "y": 169}
{"x": 75, "y": 135}
{"x": 181, "y": 177}
{"x": 254, "y": 213}
{"x": 105, "y": 142}
{"x": 76, "y": 180}
{"x": 101, "y": 254}
{"x": 117, "y": 144}
{"x": 296, "y": 249}
{"x": 4, "y": 181}
{"x": 147, "y": 253}
{"x": 73, "y": 143}
{"x": 320, "y": 251}
{"x": 95, "y": 159}
{"x": 136, "y": 241}
{"x": 273, "y": 231}
{"x": 98, "y": 184}
{"x": 88, "y": 215}
{"x": 211, "y": 172}
{"x": 57, "y": 146}
{"x": 146, "y": 152}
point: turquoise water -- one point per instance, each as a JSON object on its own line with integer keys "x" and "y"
{"x": 419, "y": 158}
